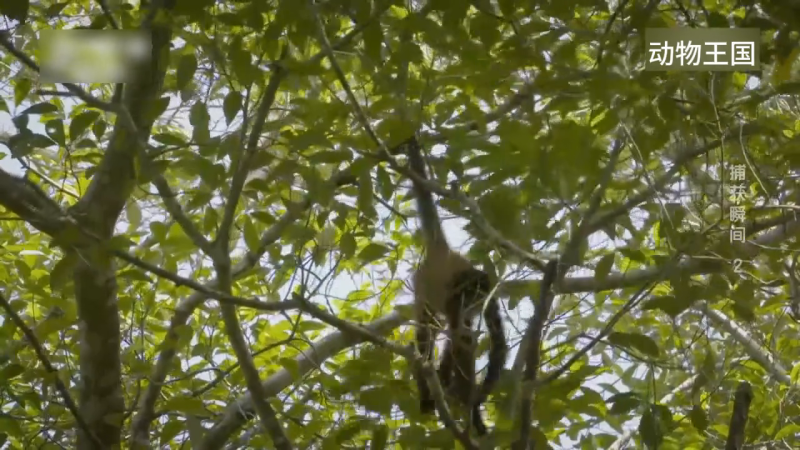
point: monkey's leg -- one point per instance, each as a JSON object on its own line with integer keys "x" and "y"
{"x": 459, "y": 356}
{"x": 425, "y": 344}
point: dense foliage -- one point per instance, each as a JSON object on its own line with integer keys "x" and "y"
{"x": 186, "y": 264}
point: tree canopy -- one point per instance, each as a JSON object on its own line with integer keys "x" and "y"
{"x": 215, "y": 251}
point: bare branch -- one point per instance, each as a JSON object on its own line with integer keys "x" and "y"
{"x": 223, "y": 298}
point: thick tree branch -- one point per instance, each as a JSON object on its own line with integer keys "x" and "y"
{"x": 774, "y": 235}
{"x": 222, "y": 265}
{"x": 101, "y": 400}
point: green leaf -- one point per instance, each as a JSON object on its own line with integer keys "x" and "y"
{"x": 158, "y": 107}
{"x": 120, "y": 242}
{"x": 16, "y": 9}
{"x": 656, "y": 423}
{"x": 789, "y": 430}
{"x": 330, "y": 157}
{"x": 795, "y": 374}
{"x": 373, "y": 41}
{"x": 380, "y": 436}
{"x": 670, "y": 304}
{"x": 637, "y": 341}
{"x": 366, "y": 195}
{"x": 187, "y": 66}
{"x": 61, "y": 273}
{"x": 385, "y": 185}
{"x": 603, "y": 267}
{"x": 99, "y": 129}
{"x": 348, "y": 431}
{"x": 170, "y": 139}
{"x": 699, "y": 418}
{"x": 507, "y": 7}
{"x": 134, "y": 215}
{"x": 135, "y": 275}
{"x": 251, "y": 237}
{"x": 21, "y": 90}
{"x": 347, "y": 245}
{"x": 4, "y": 106}
{"x": 55, "y": 129}
{"x": 372, "y": 252}
{"x": 11, "y": 426}
{"x": 53, "y": 325}
{"x": 80, "y": 123}
{"x": 624, "y": 403}
{"x": 196, "y": 430}
{"x": 379, "y": 400}
{"x": 231, "y": 106}
{"x": 23, "y": 143}
{"x": 10, "y": 371}
{"x": 40, "y": 108}
{"x": 199, "y": 119}
{"x": 55, "y": 9}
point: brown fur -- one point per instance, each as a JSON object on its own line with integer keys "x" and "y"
{"x": 447, "y": 285}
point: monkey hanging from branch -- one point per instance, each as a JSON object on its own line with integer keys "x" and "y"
{"x": 447, "y": 284}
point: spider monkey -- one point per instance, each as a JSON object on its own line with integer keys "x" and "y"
{"x": 446, "y": 283}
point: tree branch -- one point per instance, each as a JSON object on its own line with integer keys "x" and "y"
{"x": 269, "y": 420}
{"x": 243, "y": 162}
{"x": 20, "y": 196}
{"x": 101, "y": 401}
{"x": 533, "y": 339}
{"x": 175, "y": 210}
